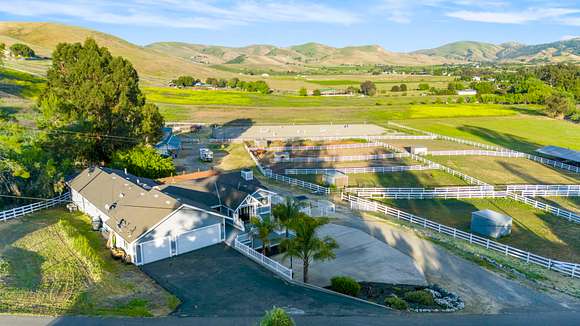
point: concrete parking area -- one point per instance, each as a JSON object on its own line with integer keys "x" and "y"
{"x": 219, "y": 281}
{"x": 361, "y": 257}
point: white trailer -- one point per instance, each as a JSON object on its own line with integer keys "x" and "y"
{"x": 205, "y": 154}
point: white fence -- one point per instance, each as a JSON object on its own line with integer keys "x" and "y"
{"x": 549, "y": 208}
{"x": 545, "y": 190}
{"x": 271, "y": 264}
{"x": 425, "y": 193}
{"x": 566, "y": 268}
{"x": 477, "y": 152}
{"x": 320, "y": 138}
{"x": 296, "y": 182}
{"x": 318, "y": 147}
{"x": 28, "y": 209}
{"x": 553, "y": 163}
{"x": 370, "y": 169}
{"x": 307, "y": 159}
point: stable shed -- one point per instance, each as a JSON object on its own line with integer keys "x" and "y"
{"x": 561, "y": 154}
{"x": 491, "y": 223}
{"x": 335, "y": 178}
{"x": 417, "y": 150}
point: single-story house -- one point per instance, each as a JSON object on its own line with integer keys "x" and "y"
{"x": 467, "y": 92}
{"x": 170, "y": 144}
{"x": 150, "y": 221}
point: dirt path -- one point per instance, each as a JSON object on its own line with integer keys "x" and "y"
{"x": 483, "y": 291}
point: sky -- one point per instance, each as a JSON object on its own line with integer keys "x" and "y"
{"x": 397, "y": 25}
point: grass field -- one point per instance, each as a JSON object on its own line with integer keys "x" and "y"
{"x": 568, "y": 203}
{"x": 20, "y": 84}
{"x": 523, "y": 132}
{"x": 431, "y": 144}
{"x": 533, "y": 230}
{"x": 503, "y": 170}
{"x": 51, "y": 263}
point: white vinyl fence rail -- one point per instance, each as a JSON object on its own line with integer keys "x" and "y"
{"x": 269, "y": 263}
{"x": 296, "y": 182}
{"x": 310, "y": 159}
{"x": 317, "y": 147}
{"x": 31, "y": 208}
{"x": 370, "y": 169}
{"x": 478, "y": 152}
{"x": 424, "y": 193}
{"x": 566, "y": 268}
{"x": 320, "y": 138}
{"x": 573, "y": 217}
{"x": 545, "y": 190}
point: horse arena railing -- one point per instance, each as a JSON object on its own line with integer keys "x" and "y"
{"x": 566, "y": 268}
{"x": 31, "y": 208}
{"x": 296, "y": 182}
{"x": 371, "y": 169}
{"x": 573, "y": 217}
{"x": 312, "y": 159}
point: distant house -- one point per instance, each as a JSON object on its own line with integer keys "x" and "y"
{"x": 333, "y": 92}
{"x": 467, "y": 92}
{"x": 170, "y": 144}
{"x": 149, "y": 221}
{"x": 476, "y": 78}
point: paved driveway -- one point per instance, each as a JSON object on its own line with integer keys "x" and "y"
{"x": 362, "y": 257}
{"x": 219, "y": 281}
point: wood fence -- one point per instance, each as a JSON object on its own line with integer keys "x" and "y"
{"x": 28, "y": 209}
{"x": 570, "y": 269}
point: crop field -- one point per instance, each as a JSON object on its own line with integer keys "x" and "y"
{"x": 532, "y": 230}
{"x": 522, "y": 132}
{"x": 503, "y": 170}
{"x": 51, "y": 263}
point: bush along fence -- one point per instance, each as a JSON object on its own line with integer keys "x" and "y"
{"x": 566, "y": 268}
{"x": 539, "y": 159}
{"x": 371, "y": 169}
{"x": 263, "y": 260}
{"x": 29, "y": 209}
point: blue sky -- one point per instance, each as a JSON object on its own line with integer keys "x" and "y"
{"x": 397, "y": 25}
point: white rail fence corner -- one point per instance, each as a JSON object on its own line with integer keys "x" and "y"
{"x": 267, "y": 262}
{"x": 570, "y": 269}
{"x": 570, "y": 216}
{"x": 34, "y": 207}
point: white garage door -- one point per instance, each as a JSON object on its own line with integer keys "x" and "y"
{"x": 155, "y": 250}
{"x": 199, "y": 238}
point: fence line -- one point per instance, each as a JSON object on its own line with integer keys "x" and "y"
{"x": 478, "y": 152}
{"x": 321, "y": 138}
{"x": 317, "y": 147}
{"x": 545, "y": 190}
{"x": 566, "y": 268}
{"x": 296, "y": 182}
{"x": 267, "y": 262}
{"x": 31, "y": 208}
{"x": 306, "y": 159}
{"x": 549, "y": 208}
{"x": 371, "y": 169}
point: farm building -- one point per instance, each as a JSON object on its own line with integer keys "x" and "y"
{"x": 335, "y": 178}
{"x": 150, "y": 221}
{"x": 170, "y": 144}
{"x": 491, "y": 224}
{"x": 467, "y": 92}
{"x": 561, "y": 154}
{"x": 417, "y": 150}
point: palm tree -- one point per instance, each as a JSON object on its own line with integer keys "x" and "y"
{"x": 307, "y": 245}
{"x": 286, "y": 213}
{"x": 263, "y": 228}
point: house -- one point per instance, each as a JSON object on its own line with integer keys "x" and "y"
{"x": 149, "y": 221}
{"x": 170, "y": 144}
{"x": 467, "y": 92}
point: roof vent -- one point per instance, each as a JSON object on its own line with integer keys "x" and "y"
{"x": 122, "y": 223}
{"x": 247, "y": 175}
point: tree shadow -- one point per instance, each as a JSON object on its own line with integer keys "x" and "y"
{"x": 232, "y": 129}
{"x": 23, "y": 267}
{"x": 501, "y": 139}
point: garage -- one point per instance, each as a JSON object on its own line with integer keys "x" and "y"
{"x": 154, "y": 250}
{"x": 198, "y": 238}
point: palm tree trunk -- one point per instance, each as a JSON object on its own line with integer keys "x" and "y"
{"x": 305, "y": 271}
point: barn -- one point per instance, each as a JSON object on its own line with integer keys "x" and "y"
{"x": 139, "y": 219}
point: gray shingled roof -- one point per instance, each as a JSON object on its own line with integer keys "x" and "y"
{"x": 561, "y": 153}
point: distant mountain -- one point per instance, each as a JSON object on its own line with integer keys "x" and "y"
{"x": 568, "y": 50}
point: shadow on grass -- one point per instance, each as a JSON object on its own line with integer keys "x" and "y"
{"x": 501, "y": 139}
{"x": 24, "y": 268}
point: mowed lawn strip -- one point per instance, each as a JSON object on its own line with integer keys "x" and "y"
{"x": 52, "y": 263}
{"x": 503, "y": 170}
{"x": 522, "y": 132}
{"x": 533, "y": 230}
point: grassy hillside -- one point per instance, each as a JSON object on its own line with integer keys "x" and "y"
{"x": 465, "y": 50}
{"x": 153, "y": 67}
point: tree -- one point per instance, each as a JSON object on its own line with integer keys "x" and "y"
{"x": 306, "y": 245}
{"x": 21, "y": 50}
{"x": 303, "y": 91}
{"x": 286, "y": 213}
{"x": 143, "y": 161}
{"x": 2, "y": 49}
{"x": 233, "y": 83}
{"x": 559, "y": 105}
{"x": 395, "y": 88}
{"x": 368, "y": 88}
{"x": 316, "y": 92}
{"x": 403, "y": 87}
{"x": 211, "y": 81}
{"x": 276, "y": 317}
{"x": 92, "y": 105}
{"x": 484, "y": 87}
{"x": 423, "y": 87}
{"x": 263, "y": 229}
{"x": 184, "y": 81}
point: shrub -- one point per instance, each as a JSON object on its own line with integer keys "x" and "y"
{"x": 276, "y": 317}
{"x": 316, "y": 92}
{"x": 345, "y": 285}
{"x": 421, "y": 297}
{"x": 143, "y": 161}
{"x": 303, "y": 91}
{"x": 396, "y": 303}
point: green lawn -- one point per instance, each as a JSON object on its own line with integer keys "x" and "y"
{"x": 569, "y": 203}
{"x": 533, "y": 230}
{"x": 523, "y": 132}
{"x": 503, "y": 170}
{"x": 51, "y": 263}
{"x": 20, "y": 83}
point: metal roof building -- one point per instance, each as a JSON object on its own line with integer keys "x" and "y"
{"x": 560, "y": 153}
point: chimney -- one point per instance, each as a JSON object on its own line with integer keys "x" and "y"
{"x": 247, "y": 175}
